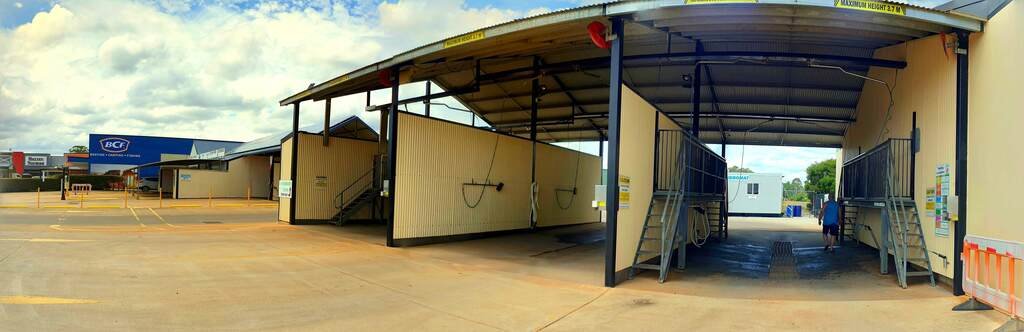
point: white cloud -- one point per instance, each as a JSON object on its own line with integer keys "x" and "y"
{"x": 18, "y": 5}
{"x": 185, "y": 68}
{"x": 789, "y": 161}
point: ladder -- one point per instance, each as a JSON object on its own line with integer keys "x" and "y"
{"x": 906, "y": 237}
{"x": 659, "y": 235}
{"x": 720, "y": 227}
{"x": 850, "y": 227}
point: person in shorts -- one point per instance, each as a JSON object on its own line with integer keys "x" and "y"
{"x": 829, "y": 221}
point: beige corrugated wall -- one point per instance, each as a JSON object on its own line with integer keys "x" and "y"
{"x": 243, "y": 174}
{"x": 436, "y": 157}
{"x": 341, "y": 163}
{"x": 636, "y": 160}
{"x": 927, "y": 86}
{"x": 560, "y": 169}
{"x": 285, "y": 173}
{"x": 995, "y": 117}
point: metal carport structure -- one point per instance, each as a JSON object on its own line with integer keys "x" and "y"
{"x": 770, "y": 72}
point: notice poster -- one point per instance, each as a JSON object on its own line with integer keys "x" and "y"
{"x": 929, "y": 205}
{"x": 284, "y": 189}
{"x": 623, "y": 191}
{"x": 941, "y": 209}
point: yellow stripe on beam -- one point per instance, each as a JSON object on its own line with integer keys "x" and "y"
{"x": 23, "y": 299}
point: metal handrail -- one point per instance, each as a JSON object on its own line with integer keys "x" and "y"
{"x": 885, "y": 171}
{"x": 683, "y": 163}
{"x": 340, "y": 198}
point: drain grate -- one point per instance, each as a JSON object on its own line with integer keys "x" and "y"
{"x": 783, "y": 265}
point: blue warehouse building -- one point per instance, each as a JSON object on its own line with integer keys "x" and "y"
{"x": 115, "y": 153}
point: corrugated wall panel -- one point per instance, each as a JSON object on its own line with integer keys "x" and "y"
{"x": 435, "y": 159}
{"x": 636, "y": 160}
{"x": 928, "y": 87}
{"x": 995, "y": 117}
{"x": 243, "y": 174}
{"x": 559, "y": 171}
{"x": 342, "y": 162}
{"x": 283, "y": 205}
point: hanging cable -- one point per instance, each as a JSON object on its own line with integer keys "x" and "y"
{"x": 700, "y": 238}
{"x": 743, "y": 155}
{"x": 889, "y": 88}
{"x": 575, "y": 178}
{"x": 487, "y": 179}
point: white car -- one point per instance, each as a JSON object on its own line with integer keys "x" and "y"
{"x": 150, "y": 183}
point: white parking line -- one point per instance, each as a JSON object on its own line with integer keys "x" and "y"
{"x": 161, "y": 218}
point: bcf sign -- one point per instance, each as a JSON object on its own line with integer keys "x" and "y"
{"x": 114, "y": 144}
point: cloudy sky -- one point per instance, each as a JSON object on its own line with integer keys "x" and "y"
{"x": 216, "y": 69}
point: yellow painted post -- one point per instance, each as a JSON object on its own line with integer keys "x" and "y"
{"x": 38, "y": 193}
{"x": 210, "y": 197}
{"x": 81, "y": 201}
{"x": 125, "y": 197}
{"x": 248, "y": 196}
{"x": 160, "y": 193}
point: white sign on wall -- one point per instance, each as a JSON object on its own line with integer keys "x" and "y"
{"x": 284, "y": 189}
{"x": 35, "y": 160}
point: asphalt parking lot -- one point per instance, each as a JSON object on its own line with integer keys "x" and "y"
{"x": 236, "y": 268}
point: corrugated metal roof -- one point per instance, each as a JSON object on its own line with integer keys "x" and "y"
{"x": 350, "y": 127}
{"x": 760, "y": 57}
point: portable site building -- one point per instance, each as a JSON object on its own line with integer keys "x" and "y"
{"x": 755, "y": 194}
{"x": 791, "y": 73}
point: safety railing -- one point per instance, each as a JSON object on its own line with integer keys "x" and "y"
{"x": 354, "y": 189}
{"x": 864, "y": 177}
{"x": 990, "y": 273}
{"x": 682, "y": 160}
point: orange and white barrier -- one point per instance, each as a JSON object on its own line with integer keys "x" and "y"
{"x": 80, "y": 188}
{"x": 991, "y": 273}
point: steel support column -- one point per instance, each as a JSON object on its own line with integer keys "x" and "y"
{"x": 612, "y": 177}
{"x": 392, "y": 157}
{"x": 293, "y": 172}
{"x": 960, "y": 226}
{"x": 426, "y": 103}
{"x": 327, "y": 121}
{"x": 534, "y": 96}
{"x": 883, "y": 250}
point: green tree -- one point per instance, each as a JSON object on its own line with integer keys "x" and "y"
{"x": 78, "y": 149}
{"x": 821, "y": 177}
{"x": 794, "y": 190}
{"x": 737, "y": 169}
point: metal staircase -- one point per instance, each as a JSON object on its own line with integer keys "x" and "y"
{"x": 719, "y": 228}
{"x": 850, "y": 227}
{"x": 906, "y": 237}
{"x": 660, "y": 234}
{"x": 360, "y": 193}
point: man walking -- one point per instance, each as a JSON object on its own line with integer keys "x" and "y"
{"x": 829, "y": 220}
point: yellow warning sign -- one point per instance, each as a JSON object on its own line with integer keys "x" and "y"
{"x": 463, "y": 39}
{"x": 709, "y": 2}
{"x": 873, "y": 6}
{"x": 624, "y": 191}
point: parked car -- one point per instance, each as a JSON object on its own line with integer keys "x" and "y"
{"x": 150, "y": 183}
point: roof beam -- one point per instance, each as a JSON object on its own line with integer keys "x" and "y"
{"x": 754, "y": 116}
{"x": 664, "y": 101}
{"x": 671, "y": 84}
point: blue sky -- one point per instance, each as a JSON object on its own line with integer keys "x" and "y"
{"x": 216, "y": 69}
